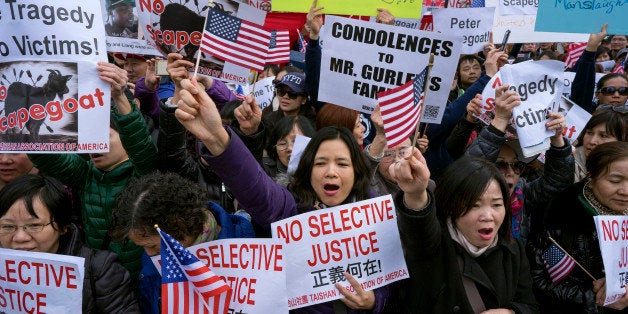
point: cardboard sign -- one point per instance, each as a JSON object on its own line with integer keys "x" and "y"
{"x": 56, "y": 44}
{"x": 612, "y": 232}
{"x": 359, "y": 238}
{"x": 361, "y": 59}
{"x": 253, "y": 268}
{"x": 473, "y": 24}
{"x": 409, "y": 9}
{"x": 34, "y": 282}
{"x": 586, "y": 17}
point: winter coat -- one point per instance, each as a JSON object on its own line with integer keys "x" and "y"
{"x": 501, "y": 274}
{"x": 98, "y": 189}
{"x": 558, "y": 175}
{"x": 106, "y": 284}
{"x": 265, "y": 201}
{"x": 569, "y": 221}
{"x": 583, "y": 86}
{"x": 231, "y": 226}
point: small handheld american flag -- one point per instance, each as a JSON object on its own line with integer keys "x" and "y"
{"x": 558, "y": 264}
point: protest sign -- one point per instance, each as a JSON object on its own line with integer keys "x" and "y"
{"x": 50, "y": 95}
{"x": 586, "y": 17}
{"x": 253, "y": 268}
{"x": 360, "y": 238}
{"x": 35, "y": 282}
{"x": 300, "y": 142}
{"x": 538, "y": 83}
{"x": 264, "y": 92}
{"x": 514, "y": 7}
{"x": 522, "y": 28}
{"x": 121, "y": 28}
{"x": 575, "y": 120}
{"x": 360, "y": 59}
{"x": 409, "y": 9}
{"x": 612, "y": 233}
{"x": 172, "y": 26}
{"x": 473, "y": 24}
{"x": 413, "y": 23}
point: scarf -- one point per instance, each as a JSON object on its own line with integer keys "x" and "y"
{"x": 211, "y": 229}
{"x": 516, "y": 205}
{"x": 459, "y": 238}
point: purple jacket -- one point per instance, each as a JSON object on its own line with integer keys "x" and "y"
{"x": 266, "y": 202}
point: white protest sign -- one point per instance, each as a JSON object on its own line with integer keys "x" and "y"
{"x": 522, "y": 28}
{"x": 300, "y": 142}
{"x": 121, "y": 29}
{"x": 612, "y": 232}
{"x": 473, "y": 24}
{"x": 576, "y": 119}
{"x": 361, "y": 59}
{"x": 253, "y": 268}
{"x": 538, "y": 83}
{"x": 512, "y": 7}
{"x": 402, "y": 22}
{"x": 360, "y": 238}
{"x": 264, "y": 92}
{"x": 34, "y": 282}
{"x": 51, "y": 98}
{"x": 174, "y": 26}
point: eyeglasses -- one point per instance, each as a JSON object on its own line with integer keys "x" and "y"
{"x": 283, "y": 145}
{"x": 281, "y": 92}
{"x": 610, "y": 90}
{"x": 621, "y": 109}
{"x": 402, "y": 153}
{"x": 517, "y": 166}
{"x": 30, "y": 228}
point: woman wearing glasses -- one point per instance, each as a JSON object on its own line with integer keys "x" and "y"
{"x": 569, "y": 221}
{"x": 526, "y": 198}
{"x": 608, "y": 124}
{"x": 35, "y": 216}
{"x": 612, "y": 88}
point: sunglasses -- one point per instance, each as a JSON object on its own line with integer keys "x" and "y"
{"x": 282, "y": 91}
{"x": 610, "y": 90}
{"x": 517, "y": 167}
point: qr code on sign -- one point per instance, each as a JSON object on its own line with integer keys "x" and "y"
{"x": 430, "y": 112}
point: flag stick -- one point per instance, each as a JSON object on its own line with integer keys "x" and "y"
{"x": 254, "y": 82}
{"x": 198, "y": 58}
{"x": 575, "y": 261}
{"x": 427, "y": 80}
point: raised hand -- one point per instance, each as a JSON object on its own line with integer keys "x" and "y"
{"x": 361, "y": 299}
{"x": 384, "y": 16}
{"x": 495, "y": 60}
{"x": 505, "y": 101}
{"x": 412, "y": 176}
{"x": 249, "y": 115}
{"x": 556, "y": 122}
{"x": 117, "y": 79}
{"x": 473, "y": 108}
{"x": 314, "y": 20}
{"x": 151, "y": 79}
{"x": 595, "y": 40}
{"x": 177, "y": 68}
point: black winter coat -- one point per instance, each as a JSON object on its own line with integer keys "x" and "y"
{"x": 106, "y": 285}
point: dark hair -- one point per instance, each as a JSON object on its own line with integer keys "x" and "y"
{"x": 602, "y": 50}
{"x": 227, "y": 112}
{"x": 604, "y": 155}
{"x": 616, "y": 124}
{"x": 608, "y": 77}
{"x": 283, "y": 127}
{"x": 272, "y": 68}
{"x": 334, "y": 115}
{"x": 550, "y": 54}
{"x": 48, "y": 190}
{"x": 165, "y": 199}
{"x": 301, "y": 186}
{"x": 463, "y": 183}
{"x": 467, "y": 58}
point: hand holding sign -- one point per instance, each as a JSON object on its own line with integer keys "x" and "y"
{"x": 556, "y": 123}
{"x": 505, "y": 101}
{"x": 412, "y": 176}
{"x": 361, "y": 300}
{"x": 314, "y": 20}
{"x": 177, "y": 68}
{"x": 495, "y": 60}
{"x": 599, "y": 288}
{"x": 473, "y": 108}
{"x": 249, "y": 115}
{"x": 385, "y": 17}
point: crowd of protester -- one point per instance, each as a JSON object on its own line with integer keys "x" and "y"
{"x": 474, "y": 223}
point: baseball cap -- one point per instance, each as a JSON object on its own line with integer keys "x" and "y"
{"x": 113, "y": 3}
{"x": 295, "y": 81}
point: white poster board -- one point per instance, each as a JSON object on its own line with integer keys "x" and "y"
{"x": 612, "y": 234}
{"x": 473, "y": 24}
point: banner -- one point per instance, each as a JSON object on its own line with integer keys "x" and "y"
{"x": 175, "y": 26}
{"x": 361, "y": 59}
{"x": 121, "y": 28}
{"x": 538, "y": 84}
{"x": 51, "y": 99}
{"x": 586, "y": 17}
{"x": 473, "y": 24}
{"x": 522, "y": 28}
{"x": 360, "y": 238}
{"x": 253, "y": 268}
{"x": 35, "y": 282}
{"x": 408, "y": 9}
{"x": 514, "y": 7}
{"x": 612, "y": 233}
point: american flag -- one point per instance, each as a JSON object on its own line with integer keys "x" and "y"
{"x": 619, "y": 68}
{"x": 279, "y": 47}
{"x": 558, "y": 264}
{"x": 235, "y": 40}
{"x": 400, "y": 109}
{"x": 477, "y": 4}
{"x": 302, "y": 42}
{"x": 574, "y": 51}
{"x": 187, "y": 285}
